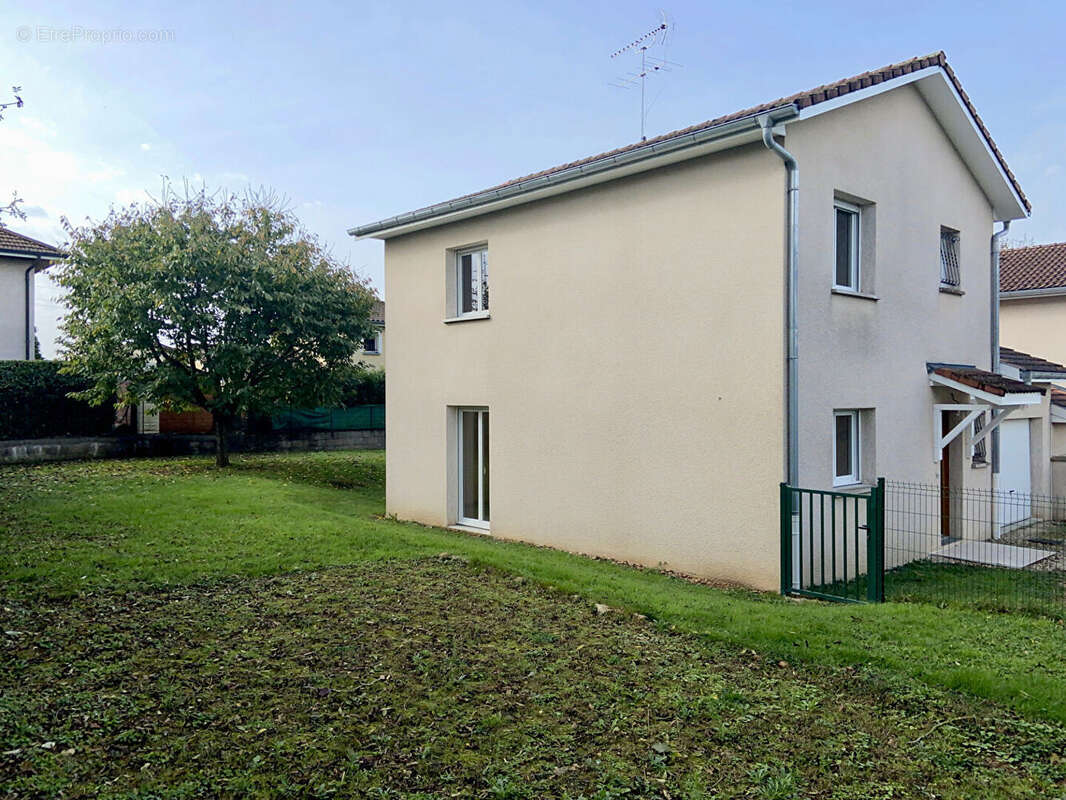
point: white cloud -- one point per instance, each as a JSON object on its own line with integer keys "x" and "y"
{"x": 145, "y": 146}
{"x": 125, "y": 197}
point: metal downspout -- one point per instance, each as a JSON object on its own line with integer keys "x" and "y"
{"x": 994, "y": 332}
{"x": 993, "y": 320}
{"x": 30, "y": 333}
{"x": 792, "y": 355}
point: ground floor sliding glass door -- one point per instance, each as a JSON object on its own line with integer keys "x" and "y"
{"x": 474, "y": 467}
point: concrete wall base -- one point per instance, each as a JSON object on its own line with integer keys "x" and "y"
{"x": 28, "y": 451}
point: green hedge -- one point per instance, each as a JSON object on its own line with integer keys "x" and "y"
{"x": 34, "y": 403}
{"x": 364, "y": 388}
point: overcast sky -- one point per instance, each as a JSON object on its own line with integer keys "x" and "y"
{"x": 357, "y": 111}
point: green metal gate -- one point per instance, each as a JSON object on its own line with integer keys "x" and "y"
{"x": 833, "y": 543}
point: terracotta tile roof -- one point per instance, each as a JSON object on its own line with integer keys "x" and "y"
{"x": 1028, "y": 363}
{"x": 12, "y": 242}
{"x": 377, "y": 313}
{"x": 1042, "y": 266}
{"x": 1058, "y": 396}
{"x": 801, "y": 100}
{"x": 985, "y": 381}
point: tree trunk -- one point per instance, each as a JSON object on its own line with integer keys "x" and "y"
{"x": 221, "y": 440}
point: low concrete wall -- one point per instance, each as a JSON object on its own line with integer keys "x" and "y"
{"x": 29, "y": 451}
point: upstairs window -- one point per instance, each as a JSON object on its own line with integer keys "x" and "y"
{"x": 846, "y": 275}
{"x": 371, "y": 346}
{"x": 949, "y": 258}
{"x": 472, "y": 281}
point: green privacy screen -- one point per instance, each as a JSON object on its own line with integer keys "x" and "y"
{"x": 355, "y": 418}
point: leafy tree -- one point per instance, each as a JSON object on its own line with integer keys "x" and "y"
{"x": 222, "y": 303}
{"x": 13, "y": 208}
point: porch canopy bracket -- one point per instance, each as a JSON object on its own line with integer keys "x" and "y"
{"x": 987, "y": 392}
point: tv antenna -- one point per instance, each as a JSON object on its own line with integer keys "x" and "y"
{"x": 650, "y": 64}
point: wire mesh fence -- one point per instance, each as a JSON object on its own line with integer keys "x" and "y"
{"x": 977, "y": 548}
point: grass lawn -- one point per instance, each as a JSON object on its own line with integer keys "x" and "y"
{"x": 177, "y": 628}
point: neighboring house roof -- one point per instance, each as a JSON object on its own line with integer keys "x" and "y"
{"x": 797, "y": 102}
{"x": 16, "y": 244}
{"x": 1029, "y": 363}
{"x": 1058, "y": 396}
{"x": 984, "y": 380}
{"x": 377, "y": 313}
{"x": 1039, "y": 267}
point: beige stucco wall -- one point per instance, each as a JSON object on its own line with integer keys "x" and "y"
{"x": 13, "y": 307}
{"x": 1058, "y": 439}
{"x": 1036, "y": 326}
{"x": 632, "y": 367}
{"x": 871, "y": 354}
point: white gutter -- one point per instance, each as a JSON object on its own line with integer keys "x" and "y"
{"x": 643, "y": 157}
{"x": 1021, "y": 294}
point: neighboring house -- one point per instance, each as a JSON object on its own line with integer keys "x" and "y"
{"x": 638, "y": 365}
{"x": 21, "y": 258}
{"x": 1033, "y": 441}
{"x": 151, "y": 420}
{"x": 1032, "y": 312}
{"x": 197, "y": 421}
{"x": 374, "y": 346}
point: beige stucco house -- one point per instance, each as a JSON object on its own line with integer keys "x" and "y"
{"x": 801, "y": 291}
{"x": 1032, "y": 316}
{"x": 21, "y": 258}
{"x": 1033, "y": 300}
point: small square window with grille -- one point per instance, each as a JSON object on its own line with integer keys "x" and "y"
{"x": 949, "y": 257}
{"x": 980, "y": 450}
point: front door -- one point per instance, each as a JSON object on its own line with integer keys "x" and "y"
{"x": 1015, "y": 482}
{"x": 474, "y": 467}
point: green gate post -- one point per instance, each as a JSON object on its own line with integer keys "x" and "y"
{"x": 786, "y": 539}
{"x": 875, "y": 544}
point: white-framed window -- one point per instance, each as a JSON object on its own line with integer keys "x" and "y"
{"x": 372, "y": 344}
{"x": 473, "y": 472}
{"x": 471, "y": 281}
{"x": 846, "y": 455}
{"x": 950, "y": 273}
{"x": 847, "y": 249}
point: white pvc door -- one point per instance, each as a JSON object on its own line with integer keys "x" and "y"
{"x": 1014, "y": 471}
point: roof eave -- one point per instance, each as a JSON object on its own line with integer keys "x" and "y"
{"x": 1022, "y": 294}
{"x": 689, "y": 145}
{"x": 27, "y": 254}
{"x": 960, "y": 126}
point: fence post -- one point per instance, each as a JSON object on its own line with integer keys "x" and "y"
{"x": 786, "y": 539}
{"x": 875, "y": 543}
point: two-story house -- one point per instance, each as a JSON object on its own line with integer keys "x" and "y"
{"x": 21, "y": 258}
{"x": 624, "y": 355}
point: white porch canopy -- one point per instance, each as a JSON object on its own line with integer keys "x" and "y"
{"x": 988, "y": 392}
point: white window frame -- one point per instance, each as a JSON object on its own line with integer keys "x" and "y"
{"x": 855, "y": 476}
{"x": 855, "y": 256}
{"x": 377, "y": 345}
{"x": 460, "y": 519}
{"x": 457, "y": 300}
